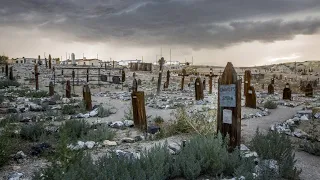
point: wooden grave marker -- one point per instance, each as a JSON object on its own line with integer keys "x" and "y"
{"x": 87, "y": 97}
{"x": 198, "y": 89}
{"x": 11, "y": 73}
{"x": 36, "y": 76}
{"x": 161, "y": 63}
{"x": 270, "y": 89}
{"x": 139, "y": 82}
{"x": 286, "y": 92}
{"x": 251, "y": 98}
{"x": 309, "y": 90}
{"x": 51, "y": 89}
{"x": 211, "y": 75}
{"x": 204, "y": 84}
{"x": 68, "y": 89}
{"x": 49, "y": 61}
{"x": 247, "y": 82}
{"x": 168, "y": 79}
{"x": 138, "y": 108}
{"x": 272, "y": 80}
{"x": 184, "y": 74}
{"x": 7, "y": 70}
{"x": 229, "y": 105}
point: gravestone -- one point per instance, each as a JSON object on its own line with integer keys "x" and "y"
{"x": 51, "y": 89}
{"x": 198, "y": 89}
{"x": 270, "y": 89}
{"x": 229, "y": 105}
{"x": 168, "y": 79}
{"x": 251, "y": 98}
{"x": 123, "y": 76}
{"x": 161, "y": 63}
{"x": 138, "y": 109}
{"x": 309, "y": 90}
{"x": 11, "y": 74}
{"x": 184, "y": 74}
{"x": 139, "y": 82}
{"x": 247, "y": 81}
{"x": 116, "y": 80}
{"x": 87, "y": 97}
{"x": 7, "y": 70}
{"x": 104, "y": 78}
{"x": 68, "y": 89}
{"x": 286, "y": 92}
{"x": 211, "y": 75}
{"x": 36, "y": 76}
{"x": 49, "y": 61}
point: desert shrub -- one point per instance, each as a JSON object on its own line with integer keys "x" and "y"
{"x": 5, "y": 150}
{"x": 201, "y": 155}
{"x": 11, "y": 118}
{"x": 99, "y": 134}
{"x": 128, "y": 113}
{"x": 37, "y": 94}
{"x": 278, "y": 147}
{"x": 75, "y": 129}
{"x": 32, "y": 132}
{"x": 69, "y": 109}
{"x": 6, "y": 83}
{"x": 270, "y": 105}
{"x": 158, "y": 120}
{"x": 311, "y": 147}
{"x": 104, "y": 112}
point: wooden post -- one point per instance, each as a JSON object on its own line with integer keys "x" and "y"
{"x": 87, "y": 97}
{"x": 113, "y": 64}
{"x": 184, "y": 73}
{"x": 161, "y": 62}
{"x": 286, "y": 92}
{"x": 251, "y": 98}
{"x": 73, "y": 76}
{"x": 134, "y": 85}
{"x": 247, "y": 82}
{"x": 38, "y": 60}
{"x": 51, "y": 89}
{"x": 11, "y": 73}
{"x": 61, "y": 71}
{"x": 87, "y": 74}
{"x": 54, "y": 75}
{"x": 198, "y": 89}
{"x": 204, "y": 84}
{"x": 168, "y": 79}
{"x": 36, "y": 76}
{"x": 2, "y": 68}
{"x": 272, "y": 80}
{"x": 7, "y": 70}
{"x": 123, "y": 77}
{"x": 45, "y": 59}
{"x": 49, "y": 61}
{"x": 229, "y": 105}
{"x": 139, "y": 111}
{"x": 68, "y": 89}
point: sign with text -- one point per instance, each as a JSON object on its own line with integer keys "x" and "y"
{"x": 227, "y": 95}
{"x": 227, "y": 116}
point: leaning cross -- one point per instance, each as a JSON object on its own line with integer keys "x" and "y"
{"x": 184, "y": 73}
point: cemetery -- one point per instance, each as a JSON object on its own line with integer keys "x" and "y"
{"x": 144, "y": 121}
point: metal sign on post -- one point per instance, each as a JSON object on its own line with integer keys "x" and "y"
{"x": 227, "y": 95}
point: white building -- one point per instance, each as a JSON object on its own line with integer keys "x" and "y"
{"x": 126, "y": 62}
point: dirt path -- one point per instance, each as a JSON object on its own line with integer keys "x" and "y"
{"x": 309, "y": 164}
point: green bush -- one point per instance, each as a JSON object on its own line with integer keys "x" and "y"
{"x": 202, "y": 155}
{"x": 99, "y": 134}
{"x": 6, "y": 83}
{"x": 270, "y": 105}
{"x": 277, "y": 147}
{"x": 75, "y": 129}
{"x": 32, "y": 132}
{"x": 11, "y": 118}
{"x": 69, "y": 110}
{"x": 5, "y": 150}
{"x": 37, "y": 94}
{"x": 311, "y": 147}
{"x": 104, "y": 112}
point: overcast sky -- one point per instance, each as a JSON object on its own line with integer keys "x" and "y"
{"x": 245, "y": 32}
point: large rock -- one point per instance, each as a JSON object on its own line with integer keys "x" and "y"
{"x": 128, "y": 123}
{"x": 117, "y": 124}
{"x": 89, "y": 144}
{"x": 15, "y": 176}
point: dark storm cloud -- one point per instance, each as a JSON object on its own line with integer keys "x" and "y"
{"x": 193, "y": 23}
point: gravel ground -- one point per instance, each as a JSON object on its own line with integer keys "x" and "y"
{"x": 309, "y": 164}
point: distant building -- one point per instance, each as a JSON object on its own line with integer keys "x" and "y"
{"x": 83, "y": 62}
{"x": 127, "y": 62}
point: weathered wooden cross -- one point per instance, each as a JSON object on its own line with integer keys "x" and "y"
{"x": 161, "y": 63}
{"x": 229, "y": 105}
{"x": 87, "y": 97}
{"x": 36, "y": 76}
{"x": 49, "y": 61}
{"x": 184, "y": 74}
{"x": 211, "y": 75}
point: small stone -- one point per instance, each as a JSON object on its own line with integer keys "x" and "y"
{"x": 89, "y": 144}
{"x": 109, "y": 143}
{"x": 153, "y": 129}
{"x": 127, "y": 140}
{"x": 20, "y": 155}
{"x": 117, "y": 124}
{"x": 93, "y": 113}
{"x": 258, "y": 114}
{"x": 244, "y": 148}
{"x": 304, "y": 118}
{"x": 128, "y": 123}
{"x": 15, "y": 176}
{"x": 65, "y": 100}
{"x": 175, "y": 147}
